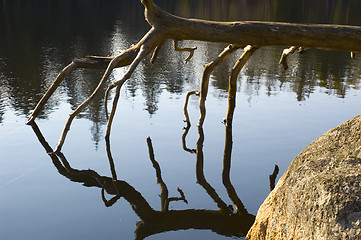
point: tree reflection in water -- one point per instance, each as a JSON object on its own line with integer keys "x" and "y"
{"x": 224, "y": 221}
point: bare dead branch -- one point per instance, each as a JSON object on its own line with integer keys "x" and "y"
{"x": 179, "y": 49}
{"x": 167, "y": 26}
{"x": 208, "y": 69}
{"x": 232, "y": 88}
{"x": 353, "y": 55}
{"x": 148, "y": 43}
{"x": 255, "y": 33}
{"x": 142, "y": 53}
{"x": 113, "y": 63}
{"x": 185, "y": 108}
{"x": 302, "y": 50}
{"x": 285, "y": 54}
{"x": 89, "y": 62}
{"x": 65, "y": 72}
{"x": 156, "y": 52}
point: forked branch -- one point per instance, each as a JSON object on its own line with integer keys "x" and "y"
{"x": 113, "y": 63}
{"x": 90, "y": 62}
{"x": 289, "y": 51}
{"x": 238, "y": 34}
{"x": 179, "y": 49}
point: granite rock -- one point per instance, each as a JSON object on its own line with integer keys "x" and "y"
{"x": 319, "y": 195}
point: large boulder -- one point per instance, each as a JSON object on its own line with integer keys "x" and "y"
{"x": 319, "y": 195}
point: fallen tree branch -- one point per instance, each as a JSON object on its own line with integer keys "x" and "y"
{"x": 258, "y": 34}
{"x": 238, "y": 34}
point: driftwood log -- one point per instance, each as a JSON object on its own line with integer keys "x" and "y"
{"x": 248, "y": 35}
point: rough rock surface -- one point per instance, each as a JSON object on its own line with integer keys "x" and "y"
{"x": 319, "y": 195}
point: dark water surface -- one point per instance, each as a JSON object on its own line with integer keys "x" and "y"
{"x": 278, "y": 113}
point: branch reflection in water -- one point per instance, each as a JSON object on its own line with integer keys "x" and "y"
{"x": 224, "y": 221}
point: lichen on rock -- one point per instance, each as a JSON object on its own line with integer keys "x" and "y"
{"x": 319, "y": 195}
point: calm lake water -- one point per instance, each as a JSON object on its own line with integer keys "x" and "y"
{"x": 279, "y": 112}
